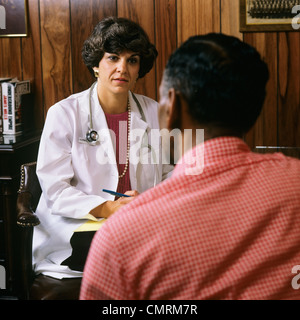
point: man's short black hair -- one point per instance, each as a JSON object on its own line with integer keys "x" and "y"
{"x": 222, "y": 79}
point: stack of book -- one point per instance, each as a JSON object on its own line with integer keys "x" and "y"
{"x": 16, "y": 104}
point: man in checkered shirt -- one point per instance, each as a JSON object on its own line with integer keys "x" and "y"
{"x": 225, "y": 228}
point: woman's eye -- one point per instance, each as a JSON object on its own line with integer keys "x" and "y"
{"x": 113, "y": 58}
{"x": 133, "y": 60}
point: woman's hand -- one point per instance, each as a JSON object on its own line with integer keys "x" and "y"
{"x": 106, "y": 209}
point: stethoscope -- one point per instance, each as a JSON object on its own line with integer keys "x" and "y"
{"x": 92, "y": 137}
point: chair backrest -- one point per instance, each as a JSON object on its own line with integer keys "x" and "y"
{"x": 32, "y": 287}
{"x": 28, "y": 197}
{"x": 30, "y": 183}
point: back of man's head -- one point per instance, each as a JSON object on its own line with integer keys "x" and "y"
{"x": 222, "y": 79}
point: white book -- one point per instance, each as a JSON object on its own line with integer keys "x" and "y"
{"x": 11, "y": 105}
{"x": 1, "y": 116}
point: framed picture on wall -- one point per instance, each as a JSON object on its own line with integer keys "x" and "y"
{"x": 13, "y": 18}
{"x": 269, "y": 15}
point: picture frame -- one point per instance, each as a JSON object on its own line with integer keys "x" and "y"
{"x": 269, "y": 15}
{"x": 13, "y": 18}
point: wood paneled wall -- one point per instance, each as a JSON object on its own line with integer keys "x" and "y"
{"x": 51, "y": 55}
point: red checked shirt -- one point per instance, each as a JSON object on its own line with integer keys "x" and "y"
{"x": 229, "y": 232}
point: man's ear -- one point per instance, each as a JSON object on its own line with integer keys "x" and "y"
{"x": 174, "y": 110}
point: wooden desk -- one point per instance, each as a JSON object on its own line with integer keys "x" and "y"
{"x": 14, "y": 151}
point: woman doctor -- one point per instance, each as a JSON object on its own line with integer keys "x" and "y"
{"x": 92, "y": 141}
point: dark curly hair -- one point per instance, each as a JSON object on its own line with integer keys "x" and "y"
{"x": 114, "y": 35}
{"x": 222, "y": 79}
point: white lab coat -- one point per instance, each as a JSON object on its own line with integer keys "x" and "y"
{"x": 72, "y": 177}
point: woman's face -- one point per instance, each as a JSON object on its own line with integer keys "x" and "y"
{"x": 118, "y": 72}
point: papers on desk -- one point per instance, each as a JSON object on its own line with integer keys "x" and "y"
{"x": 91, "y": 226}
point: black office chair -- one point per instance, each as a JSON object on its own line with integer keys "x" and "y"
{"x": 36, "y": 287}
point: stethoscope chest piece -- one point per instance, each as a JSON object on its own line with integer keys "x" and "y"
{"x": 92, "y": 136}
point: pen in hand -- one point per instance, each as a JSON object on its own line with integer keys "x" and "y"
{"x": 115, "y": 193}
